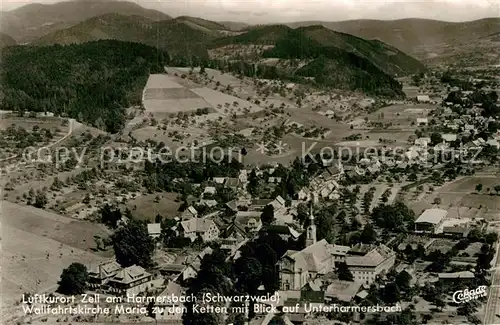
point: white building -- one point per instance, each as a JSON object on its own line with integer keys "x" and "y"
{"x": 422, "y": 142}
{"x": 376, "y": 260}
{"x": 449, "y": 137}
{"x": 423, "y": 99}
{"x": 131, "y": 280}
{"x": 431, "y": 221}
{"x": 154, "y": 230}
{"x": 199, "y": 227}
{"x": 422, "y": 121}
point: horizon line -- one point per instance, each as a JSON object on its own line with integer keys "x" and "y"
{"x": 270, "y": 22}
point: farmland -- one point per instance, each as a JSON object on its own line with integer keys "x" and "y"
{"x": 463, "y": 200}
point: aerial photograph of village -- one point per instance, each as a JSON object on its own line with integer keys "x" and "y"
{"x": 249, "y": 162}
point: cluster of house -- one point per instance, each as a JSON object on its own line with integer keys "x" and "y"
{"x": 246, "y": 211}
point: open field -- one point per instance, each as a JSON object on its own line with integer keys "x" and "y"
{"x": 37, "y": 245}
{"x": 166, "y": 94}
{"x": 462, "y": 200}
{"x": 401, "y": 114}
{"x": 161, "y": 81}
{"x": 144, "y": 207}
{"x": 225, "y": 79}
{"x": 27, "y": 123}
{"x": 163, "y": 95}
{"x": 170, "y": 106}
{"x": 220, "y": 100}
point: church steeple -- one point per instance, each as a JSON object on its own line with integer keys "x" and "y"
{"x": 311, "y": 229}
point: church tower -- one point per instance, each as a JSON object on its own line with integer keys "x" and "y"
{"x": 311, "y": 229}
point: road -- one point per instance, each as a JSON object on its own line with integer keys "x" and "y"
{"x": 493, "y": 304}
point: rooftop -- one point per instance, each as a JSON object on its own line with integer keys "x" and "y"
{"x": 432, "y": 216}
{"x": 343, "y": 290}
{"x": 130, "y": 274}
{"x": 154, "y": 228}
{"x": 197, "y": 225}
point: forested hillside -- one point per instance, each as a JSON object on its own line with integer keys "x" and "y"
{"x": 36, "y": 20}
{"x": 329, "y": 58}
{"x": 93, "y": 82}
{"x": 6, "y": 40}
{"x": 180, "y": 37}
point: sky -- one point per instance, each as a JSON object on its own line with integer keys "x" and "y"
{"x": 279, "y": 11}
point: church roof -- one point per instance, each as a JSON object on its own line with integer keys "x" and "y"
{"x": 314, "y": 258}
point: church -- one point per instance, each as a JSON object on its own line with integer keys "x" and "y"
{"x": 297, "y": 268}
{"x": 318, "y": 258}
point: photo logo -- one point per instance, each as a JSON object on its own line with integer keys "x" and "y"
{"x": 466, "y": 295}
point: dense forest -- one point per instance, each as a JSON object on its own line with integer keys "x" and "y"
{"x": 92, "y": 82}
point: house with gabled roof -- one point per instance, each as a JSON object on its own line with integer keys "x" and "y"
{"x": 189, "y": 213}
{"x": 209, "y": 190}
{"x": 167, "y": 309}
{"x": 259, "y": 204}
{"x": 191, "y": 271}
{"x": 232, "y": 205}
{"x": 199, "y": 227}
{"x": 342, "y": 290}
{"x": 207, "y": 203}
{"x": 431, "y": 221}
{"x": 249, "y": 220}
{"x": 100, "y": 274}
{"x": 129, "y": 281}
{"x": 278, "y": 204}
{"x": 233, "y": 183}
{"x": 366, "y": 262}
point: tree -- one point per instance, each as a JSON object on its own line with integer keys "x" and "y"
{"x": 110, "y": 215}
{"x": 368, "y": 235}
{"x": 344, "y": 273}
{"x": 403, "y": 280}
{"x": 391, "y": 293}
{"x": 479, "y": 187}
{"x": 267, "y": 215}
{"x": 40, "y": 200}
{"x": 436, "y": 138}
{"x": 440, "y": 303}
{"x": 133, "y": 245}
{"x": 73, "y": 280}
{"x": 249, "y": 273}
